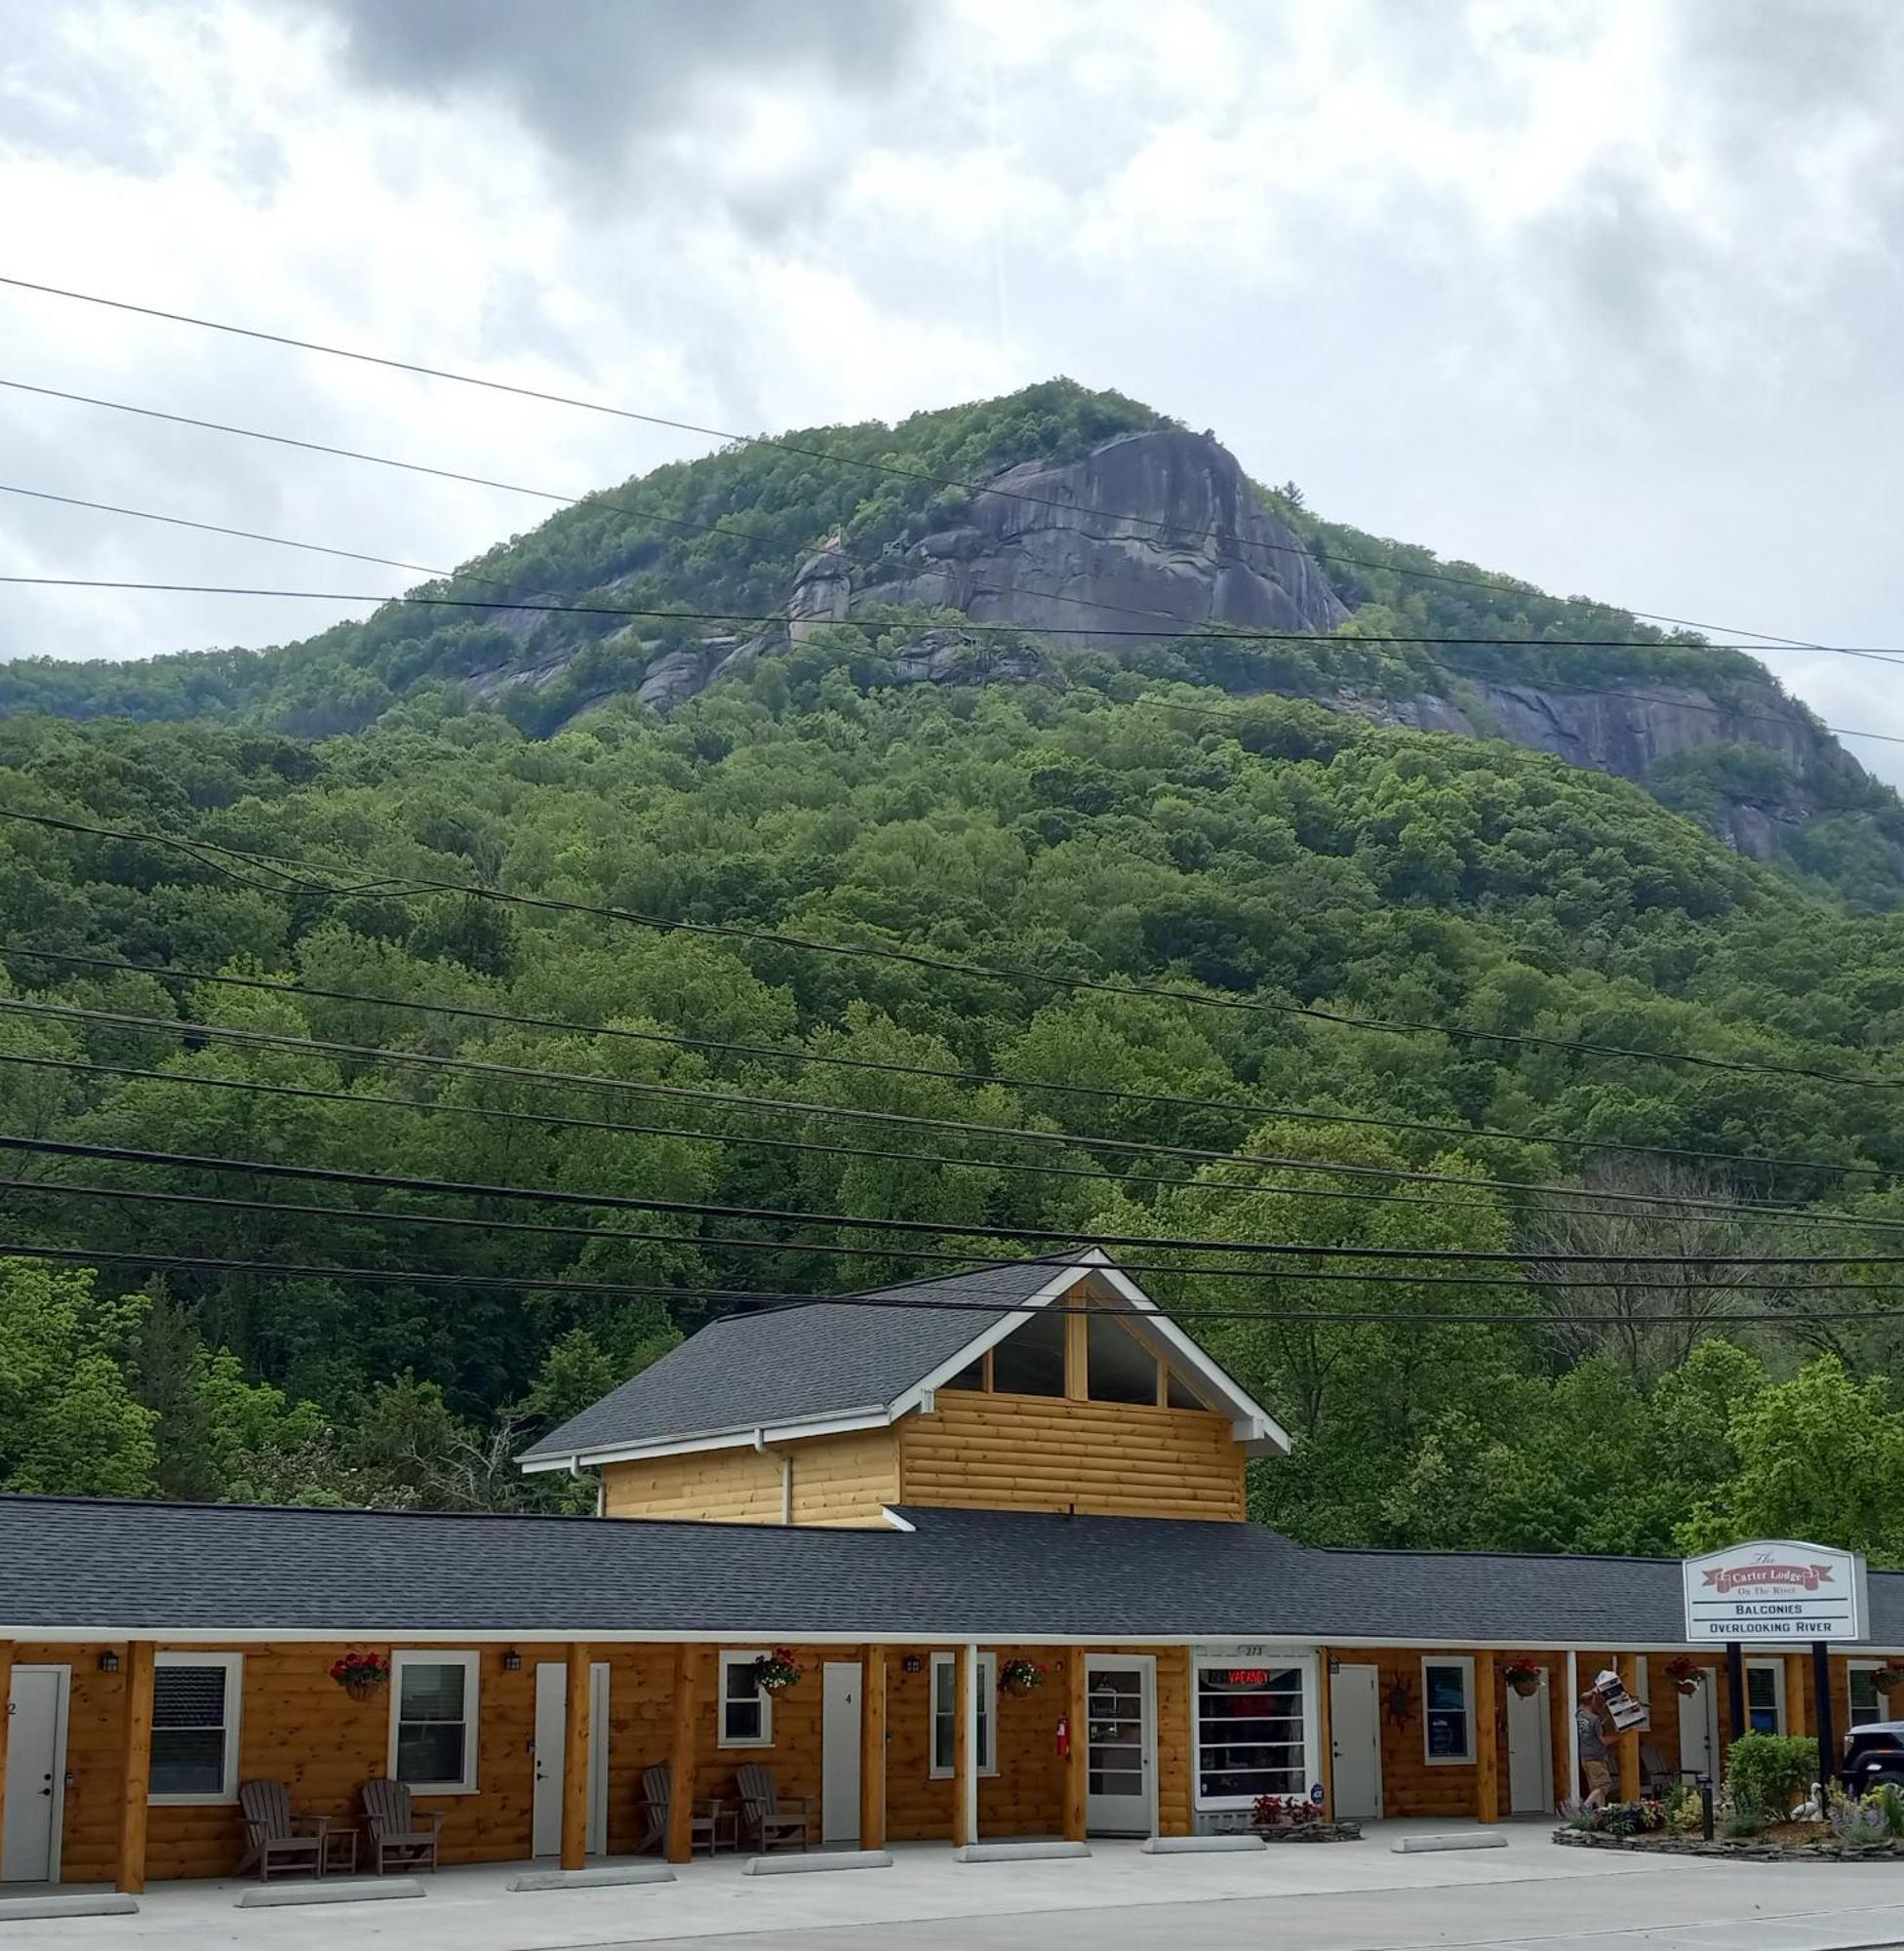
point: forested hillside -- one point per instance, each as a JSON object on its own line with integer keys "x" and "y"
{"x": 1125, "y": 953}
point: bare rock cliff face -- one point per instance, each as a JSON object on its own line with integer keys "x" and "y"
{"x": 1151, "y": 526}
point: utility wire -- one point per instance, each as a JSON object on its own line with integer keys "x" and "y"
{"x": 1501, "y": 587}
{"x": 60, "y": 1188}
{"x": 1276, "y": 1250}
{"x": 747, "y": 1140}
{"x": 919, "y": 959}
{"x": 1186, "y": 1318}
{"x": 186, "y": 1030}
{"x": 775, "y": 618}
{"x": 771, "y": 1053}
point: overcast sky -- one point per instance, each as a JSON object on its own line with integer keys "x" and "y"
{"x": 1605, "y": 293}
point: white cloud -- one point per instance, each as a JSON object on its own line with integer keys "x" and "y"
{"x": 1604, "y": 295}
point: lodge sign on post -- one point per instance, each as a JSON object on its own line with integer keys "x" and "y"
{"x": 1775, "y": 1589}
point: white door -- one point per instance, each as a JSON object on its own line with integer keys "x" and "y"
{"x": 1699, "y": 1727}
{"x": 839, "y": 1753}
{"x": 1121, "y": 1729}
{"x": 1355, "y": 1740}
{"x": 1530, "y": 1750}
{"x": 551, "y": 1745}
{"x": 36, "y": 1775}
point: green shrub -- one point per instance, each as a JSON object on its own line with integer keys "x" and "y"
{"x": 1888, "y": 1799}
{"x": 1739, "y": 1819}
{"x": 1682, "y": 1808}
{"x": 1773, "y": 1773}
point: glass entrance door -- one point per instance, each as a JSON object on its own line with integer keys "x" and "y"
{"x": 1121, "y": 1763}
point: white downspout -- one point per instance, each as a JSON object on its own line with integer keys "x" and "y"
{"x": 787, "y": 1474}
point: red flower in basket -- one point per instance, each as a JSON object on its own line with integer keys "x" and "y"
{"x": 774, "y": 1672}
{"x": 361, "y": 1674}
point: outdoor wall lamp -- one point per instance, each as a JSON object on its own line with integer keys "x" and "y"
{"x": 511, "y": 1661}
{"x": 109, "y": 1662}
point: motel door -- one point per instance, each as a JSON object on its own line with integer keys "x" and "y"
{"x": 1356, "y": 1740}
{"x": 36, "y": 1775}
{"x": 1121, "y": 1727}
{"x": 1530, "y": 1750}
{"x": 551, "y": 1745}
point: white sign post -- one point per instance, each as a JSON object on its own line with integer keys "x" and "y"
{"x": 1776, "y": 1590}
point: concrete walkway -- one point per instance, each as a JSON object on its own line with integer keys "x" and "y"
{"x": 1314, "y": 1898}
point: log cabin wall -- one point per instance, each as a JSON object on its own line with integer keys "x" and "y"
{"x": 299, "y": 1727}
{"x": 836, "y": 1480}
{"x": 988, "y": 1451}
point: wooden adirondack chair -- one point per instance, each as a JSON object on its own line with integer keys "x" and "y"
{"x": 275, "y": 1840}
{"x": 766, "y": 1815}
{"x": 392, "y": 1826}
{"x": 656, "y": 1796}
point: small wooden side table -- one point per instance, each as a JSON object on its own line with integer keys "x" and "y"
{"x": 339, "y": 1852}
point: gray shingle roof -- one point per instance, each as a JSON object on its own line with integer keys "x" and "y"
{"x": 69, "y": 1565}
{"x": 793, "y": 1363}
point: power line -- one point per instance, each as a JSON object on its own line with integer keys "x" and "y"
{"x": 966, "y": 627}
{"x": 1503, "y": 586}
{"x": 1018, "y": 1134}
{"x": 1187, "y": 1318}
{"x": 937, "y": 1229}
{"x": 1042, "y": 1168}
{"x": 916, "y": 958}
{"x": 731, "y": 1243}
{"x": 1246, "y": 1108}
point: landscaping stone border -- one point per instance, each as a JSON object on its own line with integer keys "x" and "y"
{"x": 1741, "y": 1851}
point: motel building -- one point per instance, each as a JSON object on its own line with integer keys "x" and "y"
{"x": 910, "y": 1497}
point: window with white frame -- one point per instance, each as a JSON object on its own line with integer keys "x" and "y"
{"x": 1765, "y": 1696}
{"x": 1448, "y": 1710}
{"x": 433, "y": 1720}
{"x": 1251, "y": 1731}
{"x": 945, "y": 1712}
{"x": 1866, "y": 1703}
{"x": 196, "y": 1698}
{"x": 746, "y": 1706}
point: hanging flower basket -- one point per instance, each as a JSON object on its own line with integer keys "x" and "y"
{"x": 1020, "y": 1677}
{"x": 774, "y": 1672}
{"x": 1888, "y": 1678}
{"x": 362, "y": 1675}
{"x": 1684, "y": 1675}
{"x": 1522, "y": 1678}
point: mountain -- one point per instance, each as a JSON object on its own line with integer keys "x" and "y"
{"x": 1094, "y": 527}
{"x": 597, "y": 1016}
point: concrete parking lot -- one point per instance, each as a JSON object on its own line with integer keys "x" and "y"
{"x": 1330, "y": 1897}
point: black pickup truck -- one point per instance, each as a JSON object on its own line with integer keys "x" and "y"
{"x": 1873, "y": 1754}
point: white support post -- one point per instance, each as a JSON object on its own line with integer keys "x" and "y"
{"x": 969, "y": 1785}
{"x": 1572, "y": 1724}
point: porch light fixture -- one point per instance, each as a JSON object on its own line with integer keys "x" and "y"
{"x": 109, "y": 1662}
{"x": 912, "y": 1663}
{"x": 513, "y": 1661}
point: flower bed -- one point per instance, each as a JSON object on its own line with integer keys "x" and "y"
{"x": 1815, "y": 1844}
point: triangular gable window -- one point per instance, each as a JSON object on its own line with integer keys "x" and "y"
{"x": 1120, "y": 1368}
{"x": 1030, "y": 1360}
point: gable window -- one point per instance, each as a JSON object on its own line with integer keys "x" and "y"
{"x": 196, "y": 1698}
{"x": 1118, "y": 1367}
{"x": 1866, "y": 1703}
{"x": 746, "y": 1706}
{"x": 1765, "y": 1696}
{"x": 1030, "y": 1360}
{"x": 945, "y": 1712}
{"x": 1180, "y": 1395}
{"x": 433, "y": 1720}
{"x": 1448, "y": 1710}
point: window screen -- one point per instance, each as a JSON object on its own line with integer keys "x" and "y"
{"x": 188, "y": 1730}
{"x": 945, "y": 1711}
{"x": 1121, "y": 1369}
{"x": 971, "y": 1377}
{"x": 1762, "y": 1699}
{"x": 1447, "y": 1724}
{"x": 432, "y": 1724}
{"x": 1030, "y": 1360}
{"x": 743, "y": 1707}
{"x": 1866, "y": 1703}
